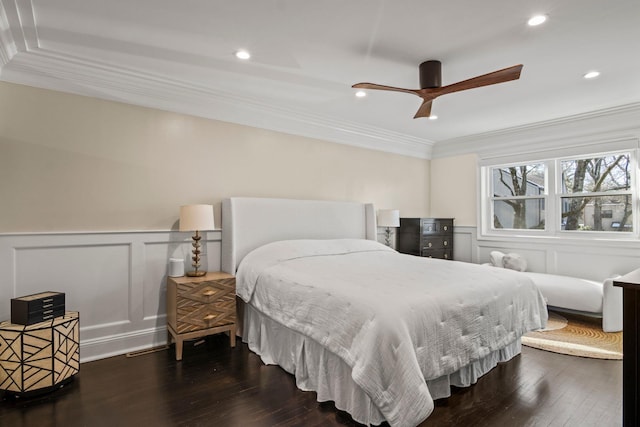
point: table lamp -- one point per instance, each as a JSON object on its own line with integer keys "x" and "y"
{"x": 196, "y": 218}
{"x": 388, "y": 218}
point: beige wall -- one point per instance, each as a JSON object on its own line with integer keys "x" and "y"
{"x": 454, "y": 188}
{"x": 72, "y": 163}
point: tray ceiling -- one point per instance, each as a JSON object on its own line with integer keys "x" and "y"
{"x": 179, "y": 56}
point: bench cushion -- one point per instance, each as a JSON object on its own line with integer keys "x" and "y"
{"x": 569, "y": 292}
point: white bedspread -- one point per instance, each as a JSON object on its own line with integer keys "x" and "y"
{"x": 395, "y": 319}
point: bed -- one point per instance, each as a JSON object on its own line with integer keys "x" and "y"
{"x": 381, "y": 334}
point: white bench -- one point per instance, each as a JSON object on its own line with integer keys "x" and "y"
{"x": 571, "y": 293}
{"x": 582, "y": 295}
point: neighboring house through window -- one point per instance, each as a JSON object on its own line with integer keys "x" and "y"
{"x": 577, "y": 194}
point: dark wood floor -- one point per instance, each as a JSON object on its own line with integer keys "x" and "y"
{"x": 218, "y": 386}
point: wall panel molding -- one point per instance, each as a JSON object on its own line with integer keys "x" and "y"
{"x": 113, "y": 279}
{"x": 595, "y": 259}
{"x": 138, "y": 262}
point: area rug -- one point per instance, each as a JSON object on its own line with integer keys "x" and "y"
{"x": 576, "y": 335}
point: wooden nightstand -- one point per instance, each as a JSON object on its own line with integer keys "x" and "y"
{"x": 200, "y": 306}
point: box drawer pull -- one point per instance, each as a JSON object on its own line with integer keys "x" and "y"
{"x": 209, "y": 317}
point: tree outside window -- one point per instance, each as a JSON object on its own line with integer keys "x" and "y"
{"x": 593, "y": 193}
{"x": 517, "y": 201}
{"x": 596, "y": 194}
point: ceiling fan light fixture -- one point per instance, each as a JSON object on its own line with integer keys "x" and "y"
{"x": 536, "y": 20}
{"x": 430, "y": 82}
{"x": 433, "y": 117}
{"x": 242, "y": 54}
{"x": 361, "y": 94}
{"x": 591, "y": 75}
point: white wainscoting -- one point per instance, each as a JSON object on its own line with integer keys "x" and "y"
{"x": 116, "y": 280}
{"x": 587, "y": 258}
{"x": 464, "y": 244}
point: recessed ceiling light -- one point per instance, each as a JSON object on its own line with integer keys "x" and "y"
{"x": 591, "y": 75}
{"x": 536, "y": 20}
{"x": 433, "y": 117}
{"x": 243, "y": 54}
{"x": 361, "y": 94}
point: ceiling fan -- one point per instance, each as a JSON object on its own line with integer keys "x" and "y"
{"x": 431, "y": 84}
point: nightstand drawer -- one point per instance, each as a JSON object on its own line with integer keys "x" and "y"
{"x": 193, "y": 316}
{"x": 209, "y": 291}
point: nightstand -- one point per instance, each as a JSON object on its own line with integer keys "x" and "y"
{"x": 39, "y": 357}
{"x": 200, "y": 306}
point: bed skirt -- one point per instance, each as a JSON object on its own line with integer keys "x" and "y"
{"x": 317, "y": 369}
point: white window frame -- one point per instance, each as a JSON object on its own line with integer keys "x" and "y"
{"x": 632, "y": 192}
{"x": 553, "y": 195}
{"x": 492, "y": 199}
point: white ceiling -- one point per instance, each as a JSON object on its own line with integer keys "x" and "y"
{"x": 179, "y": 56}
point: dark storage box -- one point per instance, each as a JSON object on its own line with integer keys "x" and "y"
{"x": 36, "y": 308}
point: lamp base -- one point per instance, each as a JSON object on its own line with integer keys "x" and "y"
{"x": 196, "y": 273}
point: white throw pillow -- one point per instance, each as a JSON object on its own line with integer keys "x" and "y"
{"x": 496, "y": 258}
{"x": 514, "y": 262}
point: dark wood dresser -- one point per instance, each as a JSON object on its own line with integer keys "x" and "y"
{"x": 427, "y": 237}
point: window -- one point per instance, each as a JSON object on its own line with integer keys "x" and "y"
{"x": 571, "y": 194}
{"x": 517, "y": 201}
{"x": 596, "y": 194}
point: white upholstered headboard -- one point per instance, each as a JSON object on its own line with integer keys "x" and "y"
{"x": 248, "y": 223}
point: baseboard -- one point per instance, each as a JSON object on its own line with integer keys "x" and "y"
{"x": 115, "y": 345}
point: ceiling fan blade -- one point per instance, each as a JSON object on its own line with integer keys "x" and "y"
{"x": 382, "y": 87}
{"x": 424, "y": 110}
{"x": 500, "y": 76}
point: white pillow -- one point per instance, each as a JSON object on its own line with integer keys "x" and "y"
{"x": 514, "y": 262}
{"x": 496, "y": 258}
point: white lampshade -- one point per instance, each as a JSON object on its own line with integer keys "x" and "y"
{"x": 196, "y": 217}
{"x": 389, "y": 218}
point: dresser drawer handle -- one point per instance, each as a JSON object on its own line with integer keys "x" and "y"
{"x": 209, "y": 293}
{"x": 209, "y": 317}
{"x": 47, "y": 311}
{"x": 445, "y": 243}
{"x": 446, "y": 256}
{"x": 50, "y": 316}
{"x": 47, "y": 305}
{"x": 47, "y": 300}
{"x": 445, "y": 228}
{"x": 430, "y": 244}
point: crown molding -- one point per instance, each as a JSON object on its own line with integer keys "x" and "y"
{"x": 61, "y": 72}
{"x": 603, "y": 125}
